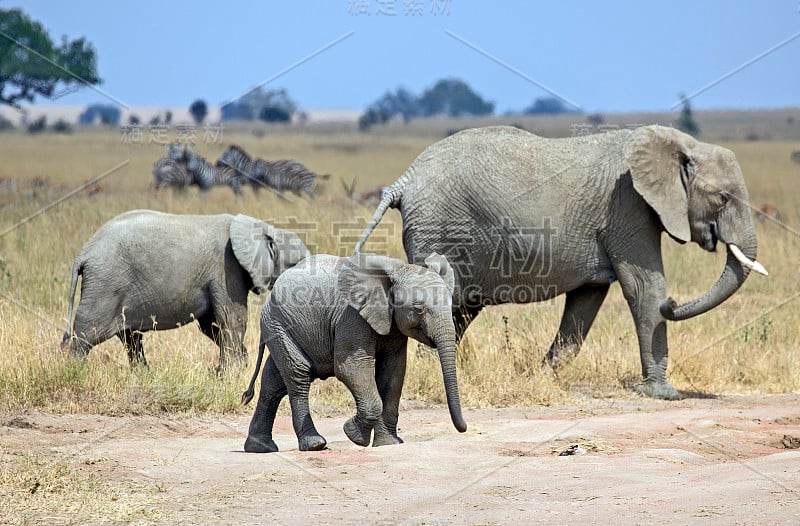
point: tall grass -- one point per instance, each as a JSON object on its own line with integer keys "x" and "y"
{"x": 749, "y": 344}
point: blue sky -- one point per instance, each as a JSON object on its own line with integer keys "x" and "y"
{"x": 610, "y": 56}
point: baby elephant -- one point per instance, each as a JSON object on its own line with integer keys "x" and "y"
{"x": 145, "y": 270}
{"x": 351, "y": 317}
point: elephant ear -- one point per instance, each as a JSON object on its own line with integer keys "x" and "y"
{"x": 254, "y": 248}
{"x": 441, "y": 266}
{"x": 365, "y": 281}
{"x": 661, "y": 171}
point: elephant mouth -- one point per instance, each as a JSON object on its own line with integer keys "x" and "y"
{"x": 710, "y": 237}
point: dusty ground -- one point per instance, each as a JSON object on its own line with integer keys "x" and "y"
{"x": 731, "y": 460}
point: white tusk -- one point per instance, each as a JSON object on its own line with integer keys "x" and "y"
{"x": 747, "y": 262}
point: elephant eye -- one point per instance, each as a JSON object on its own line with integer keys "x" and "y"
{"x": 418, "y": 308}
{"x": 725, "y": 196}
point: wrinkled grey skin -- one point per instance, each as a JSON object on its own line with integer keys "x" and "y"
{"x": 524, "y": 218}
{"x": 351, "y": 317}
{"x": 145, "y": 270}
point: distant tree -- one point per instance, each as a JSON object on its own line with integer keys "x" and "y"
{"x": 252, "y": 105}
{"x": 5, "y": 124}
{"x": 237, "y": 111}
{"x": 167, "y": 117}
{"x": 547, "y": 106}
{"x": 38, "y": 126}
{"x": 370, "y": 118}
{"x": 134, "y": 119}
{"x": 453, "y": 97}
{"x": 198, "y": 109}
{"x": 108, "y": 114}
{"x": 62, "y": 126}
{"x": 595, "y": 119}
{"x": 31, "y": 65}
{"x": 686, "y": 122}
{"x": 274, "y": 114}
{"x": 402, "y": 102}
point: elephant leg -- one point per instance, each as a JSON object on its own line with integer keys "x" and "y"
{"x": 390, "y": 371}
{"x": 132, "y": 340}
{"x": 644, "y": 290}
{"x": 579, "y": 313}
{"x": 218, "y": 330}
{"x": 232, "y": 320}
{"x": 273, "y": 389}
{"x": 295, "y": 369}
{"x": 462, "y": 317}
{"x": 357, "y": 372}
{"x": 89, "y": 330}
{"x": 211, "y": 329}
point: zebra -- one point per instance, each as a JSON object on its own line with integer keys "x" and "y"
{"x": 205, "y": 175}
{"x": 290, "y": 175}
{"x": 179, "y": 152}
{"x": 236, "y": 158}
{"x": 169, "y": 172}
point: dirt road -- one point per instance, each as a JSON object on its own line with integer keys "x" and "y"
{"x": 731, "y": 460}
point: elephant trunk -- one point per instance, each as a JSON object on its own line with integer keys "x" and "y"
{"x": 443, "y": 336}
{"x": 741, "y": 259}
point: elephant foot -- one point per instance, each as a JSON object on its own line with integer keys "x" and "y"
{"x": 356, "y": 433}
{"x": 255, "y": 444}
{"x": 661, "y": 390}
{"x": 386, "y": 440}
{"x": 311, "y": 443}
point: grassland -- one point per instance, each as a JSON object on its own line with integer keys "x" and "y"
{"x": 748, "y": 345}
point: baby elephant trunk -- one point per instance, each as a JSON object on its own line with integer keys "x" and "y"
{"x": 443, "y": 336}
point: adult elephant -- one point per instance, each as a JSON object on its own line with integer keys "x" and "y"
{"x": 523, "y": 218}
{"x": 145, "y": 270}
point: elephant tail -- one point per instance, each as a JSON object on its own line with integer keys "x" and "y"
{"x": 77, "y": 270}
{"x": 248, "y": 395}
{"x": 391, "y": 197}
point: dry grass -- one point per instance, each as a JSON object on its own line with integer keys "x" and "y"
{"x": 37, "y": 490}
{"x": 747, "y": 345}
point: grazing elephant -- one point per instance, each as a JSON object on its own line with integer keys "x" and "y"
{"x": 145, "y": 270}
{"x": 351, "y": 318}
{"x": 523, "y": 218}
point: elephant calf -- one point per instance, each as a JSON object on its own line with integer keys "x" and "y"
{"x": 351, "y": 317}
{"x": 146, "y": 270}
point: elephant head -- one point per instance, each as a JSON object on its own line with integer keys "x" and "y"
{"x": 418, "y": 299}
{"x": 264, "y": 251}
{"x": 698, "y": 192}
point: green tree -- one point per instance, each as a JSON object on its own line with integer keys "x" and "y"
{"x": 453, "y": 97}
{"x": 258, "y": 103}
{"x": 32, "y": 65}
{"x": 198, "y": 109}
{"x": 547, "y": 106}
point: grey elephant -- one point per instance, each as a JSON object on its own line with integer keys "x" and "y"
{"x": 351, "y": 317}
{"x": 523, "y": 218}
{"x": 145, "y": 270}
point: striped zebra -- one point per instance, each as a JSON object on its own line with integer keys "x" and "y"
{"x": 290, "y": 175}
{"x": 179, "y": 152}
{"x": 250, "y": 170}
{"x": 205, "y": 175}
{"x": 169, "y": 172}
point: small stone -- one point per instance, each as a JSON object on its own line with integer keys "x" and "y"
{"x": 574, "y": 449}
